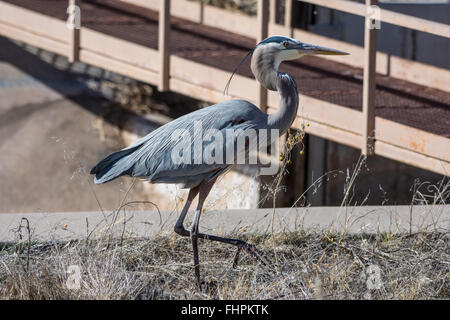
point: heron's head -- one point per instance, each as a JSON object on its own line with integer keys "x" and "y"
{"x": 280, "y": 48}
{"x": 269, "y": 53}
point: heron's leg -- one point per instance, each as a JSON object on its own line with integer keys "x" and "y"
{"x": 248, "y": 248}
{"x": 204, "y": 189}
{"x": 179, "y": 228}
{"x": 255, "y": 255}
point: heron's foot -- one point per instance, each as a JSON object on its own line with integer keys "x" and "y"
{"x": 179, "y": 229}
{"x": 252, "y": 252}
{"x": 249, "y": 249}
{"x": 236, "y": 258}
{"x": 209, "y": 287}
{"x": 194, "y": 240}
{"x": 197, "y": 275}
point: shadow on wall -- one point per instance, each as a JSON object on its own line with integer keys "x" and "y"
{"x": 319, "y": 177}
{"x": 77, "y": 80}
{"x": 380, "y": 180}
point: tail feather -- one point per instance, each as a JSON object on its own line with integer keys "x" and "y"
{"x": 108, "y": 169}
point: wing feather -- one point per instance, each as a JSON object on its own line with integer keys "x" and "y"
{"x": 151, "y": 156}
{"x": 154, "y": 157}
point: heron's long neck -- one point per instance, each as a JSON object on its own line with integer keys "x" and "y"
{"x": 266, "y": 72}
{"x": 288, "y": 105}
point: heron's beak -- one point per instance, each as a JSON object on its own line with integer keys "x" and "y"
{"x": 305, "y": 48}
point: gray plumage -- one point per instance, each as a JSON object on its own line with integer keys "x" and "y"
{"x": 150, "y": 157}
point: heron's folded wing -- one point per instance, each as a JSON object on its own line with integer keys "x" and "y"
{"x": 155, "y": 157}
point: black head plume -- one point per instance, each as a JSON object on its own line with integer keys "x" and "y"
{"x": 225, "y": 91}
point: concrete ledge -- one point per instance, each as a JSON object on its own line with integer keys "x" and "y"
{"x": 368, "y": 219}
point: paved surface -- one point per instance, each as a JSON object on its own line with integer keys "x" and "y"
{"x": 396, "y": 100}
{"x": 77, "y": 225}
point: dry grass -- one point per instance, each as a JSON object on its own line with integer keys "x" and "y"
{"x": 309, "y": 264}
{"x": 313, "y": 266}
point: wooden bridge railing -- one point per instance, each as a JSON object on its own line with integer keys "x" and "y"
{"x": 434, "y": 77}
{"x": 169, "y": 72}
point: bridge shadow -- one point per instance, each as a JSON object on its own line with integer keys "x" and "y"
{"x": 75, "y": 82}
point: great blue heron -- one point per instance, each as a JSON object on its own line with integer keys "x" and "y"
{"x": 151, "y": 157}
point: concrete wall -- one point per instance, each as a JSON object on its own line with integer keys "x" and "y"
{"x": 380, "y": 180}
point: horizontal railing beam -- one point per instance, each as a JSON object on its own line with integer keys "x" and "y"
{"x": 412, "y": 158}
{"x": 352, "y": 7}
{"x": 388, "y": 16}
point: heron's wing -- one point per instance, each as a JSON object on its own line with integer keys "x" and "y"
{"x": 154, "y": 156}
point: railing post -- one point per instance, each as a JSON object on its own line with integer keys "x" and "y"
{"x": 273, "y": 11}
{"x": 263, "y": 24}
{"x": 369, "y": 85}
{"x": 73, "y": 21}
{"x": 202, "y": 12}
{"x": 288, "y": 14}
{"x": 163, "y": 44}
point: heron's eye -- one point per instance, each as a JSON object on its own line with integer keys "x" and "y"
{"x": 285, "y": 44}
